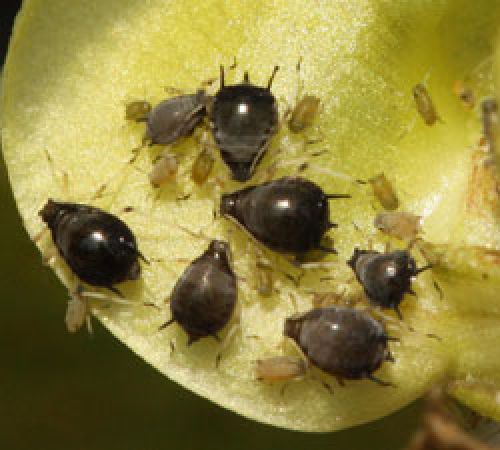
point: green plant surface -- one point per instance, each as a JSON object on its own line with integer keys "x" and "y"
{"x": 69, "y": 74}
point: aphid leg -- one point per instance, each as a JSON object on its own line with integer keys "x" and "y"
{"x": 438, "y": 289}
{"x": 389, "y": 357}
{"x": 225, "y": 343}
{"x": 380, "y": 382}
{"x": 398, "y": 312}
{"x": 271, "y": 78}
{"x": 78, "y": 311}
{"x": 166, "y": 324}
{"x": 327, "y": 249}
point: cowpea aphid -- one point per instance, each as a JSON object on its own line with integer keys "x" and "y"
{"x": 384, "y": 192}
{"x": 138, "y": 110}
{"x": 243, "y": 118}
{"x": 204, "y": 297}
{"x": 489, "y": 117}
{"x": 176, "y": 117}
{"x": 424, "y": 104}
{"x": 402, "y": 225}
{"x": 98, "y": 247}
{"x": 164, "y": 169}
{"x": 385, "y": 277}
{"x": 280, "y": 368}
{"x": 304, "y": 113}
{"x": 288, "y": 215}
{"x": 343, "y": 342}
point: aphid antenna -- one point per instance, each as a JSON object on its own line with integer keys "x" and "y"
{"x": 271, "y": 78}
{"x": 221, "y": 86}
{"x": 335, "y": 196}
{"x": 101, "y": 296}
{"x": 380, "y": 382}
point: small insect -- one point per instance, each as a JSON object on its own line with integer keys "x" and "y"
{"x": 264, "y": 278}
{"x": 344, "y": 342}
{"x": 304, "y": 113}
{"x": 138, "y": 111}
{"x": 384, "y": 191}
{"x": 202, "y": 166}
{"x": 424, "y": 104}
{"x": 172, "y": 118}
{"x": 489, "y": 116}
{"x": 401, "y": 225}
{"x": 280, "y": 368}
{"x": 288, "y": 215}
{"x": 385, "y": 277}
{"x": 243, "y": 118}
{"x": 204, "y": 297}
{"x": 464, "y": 94}
{"x": 98, "y": 247}
{"x": 164, "y": 169}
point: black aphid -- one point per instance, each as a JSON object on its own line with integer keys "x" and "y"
{"x": 385, "y": 277}
{"x": 98, "y": 247}
{"x": 244, "y": 118}
{"x": 175, "y": 117}
{"x": 204, "y": 297}
{"x": 288, "y": 215}
{"x": 344, "y": 342}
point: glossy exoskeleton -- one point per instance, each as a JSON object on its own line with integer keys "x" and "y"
{"x": 98, "y": 247}
{"x": 385, "y": 277}
{"x": 174, "y": 117}
{"x": 344, "y": 342}
{"x": 204, "y": 297}
{"x": 288, "y": 215}
{"x": 243, "y": 118}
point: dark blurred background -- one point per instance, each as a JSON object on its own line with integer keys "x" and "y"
{"x": 62, "y": 391}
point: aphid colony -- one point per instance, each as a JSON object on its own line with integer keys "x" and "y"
{"x": 289, "y": 215}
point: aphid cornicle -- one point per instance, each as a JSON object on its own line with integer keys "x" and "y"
{"x": 424, "y": 104}
{"x": 288, "y": 215}
{"x": 204, "y": 297}
{"x": 343, "y": 342}
{"x": 98, "y": 247}
{"x": 176, "y": 117}
{"x": 243, "y": 118}
{"x": 385, "y": 277}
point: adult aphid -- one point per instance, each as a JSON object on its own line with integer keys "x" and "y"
{"x": 204, "y": 297}
{"x": 99, "y": 248}
{"x": 243, "y": 118}
{"x": 384, "y": 191}
{"x": 288, "y": 215}
{"x": 385, "y": 277}
{"x": 170, "y": 119}
{"x": 343, "y": 342}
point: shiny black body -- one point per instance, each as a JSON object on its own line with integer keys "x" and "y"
{"x": 98, "y": 247}
{"x": 204, "y": 297}
{"x": 385, "y": 277}
{"x": 343, "y": 342}
{"x": 288, "y": 215}
{"x": 176, "y": 117}
{"x": 243, "y": 119}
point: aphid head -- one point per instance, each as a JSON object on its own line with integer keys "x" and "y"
{"x": 401, "y": 264}
{"x": 50, "y": 211}
{"x": 228, "y": 204}
{"x": 292, "y": 327}
{"x": 418, "y": 90}
{"x": 220, "y": 251}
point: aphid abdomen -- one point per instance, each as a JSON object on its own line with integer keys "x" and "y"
{"x": 424, "y": 104}
{"x": 204, "y": 297}
{"x": 304, "y": 113}
{"x": 175, "y": 117}
{"x": 289, "y": 215}
{"x": 98, "y": 247}
{"x": 243, "y": 119}
{"x": 343, "y": 342}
